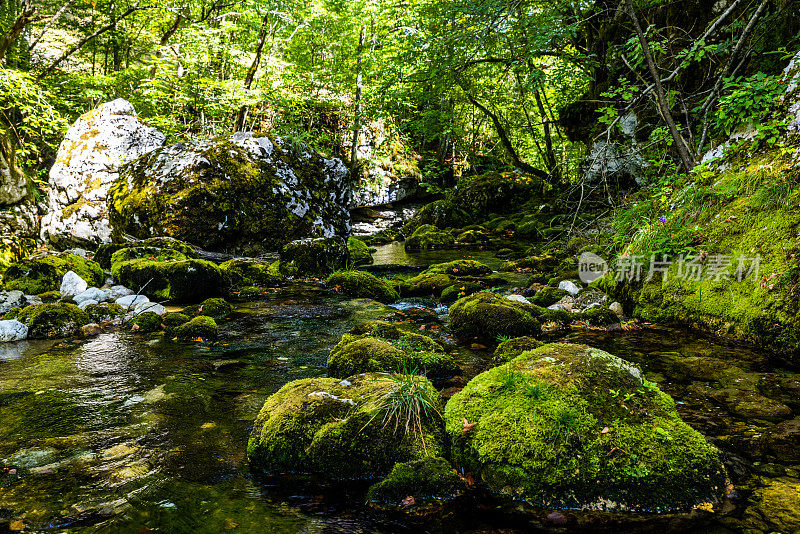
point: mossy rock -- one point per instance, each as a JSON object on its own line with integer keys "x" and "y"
{"x": 104, "y": 311}
{"x": 548, "y": 295}
{"x": 145, "y": 323}
{"x": 216, "y": 308}
{"x": 458, "y": 290}
{"x": 249, "y": 272}
{"x": 360, "y": 284}
{"x": 460, "y": 268}
{"x": 382, "y": 346}
{"x": 105, "y": 252}
{"x": 531, "y": 263}
{"x": 243, "y": 194}
{"x": 473, "y": 237}
{"x": 52, "y": 321}
{"x": 439, "y": 213}
{"x": 202, "y": 327}
{"x": 339, "y": 428}
{"x": 13, "y": 313}
{"x": 488, "y": 316}
{"x": 570, "y": 426}
{"x": 170, "y": 280}
{"x": 426, "y": 284}
{"x": 599, "y": 316}
{"x": 40, "y": 275}
{"x": 50, "y": 296}
{"x": 314, "y": 257}
{"x": 149, "y": 253}
{"x": 428, "y": 237}
{"x": 359, "y": 252}
{"x": 172, "y": 320}
{"x": 383, "y": 237}
{"x": 510, "y": 349}
{"x": 427, "y": 480}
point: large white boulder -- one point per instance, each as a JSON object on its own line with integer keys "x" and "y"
{"x": 131, "y": 301}
{"x": 12, "y": 331}
{"x": 72, "y": 284}
{"x": 88, "y": 159}
{"x": 92, "y": 293}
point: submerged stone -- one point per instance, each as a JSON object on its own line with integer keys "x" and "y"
{"x": 570, "y": 426}
{"x": 427, "y": 480}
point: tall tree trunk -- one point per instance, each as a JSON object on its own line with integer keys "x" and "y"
{"x": 25, "y": 18}
{"x": 358, "y": 109}
{"x": 680, "y": 144}
{"x": 251, "y": 72}
{"x": 165, "y": 37}
{"x": 50, "y": 23}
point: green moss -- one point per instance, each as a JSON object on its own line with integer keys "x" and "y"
{"x": 200, "y": 327}
{"x": 247, "y": 272}
{"x": 170, "y": 280}
{"x": 172, "y": 320}
{"x": 599, "y": 316}
{"x": 533, "y": 263}
{"x": 36, "y": 276}
{"x": 104, "y": 311}
{"x": 460, "y": 268}
{"x": 428, "y": 237}
{"x": 426, "y": 284}
{"x": 336, "y": 428}
{"x": 50, "y": 321}
{"x": 382, "y": 346}
{"x": 487, "y": 316}
{"x": 150, "y": 253}
{"x": 216, "y": 308}
{"x": 50, "y": 296}
{"x": 359, "y": 252}
{"x": 428, "y": 479}
{"x": 144, "y": 323}
{"x": 104, "y": 252}
{"x": 361, "y": 284}
{"x": 13, "y": 313}
{"x": 539, "y": 434}
{"x": 314, "y": 257}
{"x": 508, "y": 350}
{"x": 547, "y": 296}
{"x": 458, "y": 290}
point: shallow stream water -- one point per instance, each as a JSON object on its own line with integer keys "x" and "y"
{"x": 127, "y": 433}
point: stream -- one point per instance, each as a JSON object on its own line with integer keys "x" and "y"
{"x": 136, "y": 433}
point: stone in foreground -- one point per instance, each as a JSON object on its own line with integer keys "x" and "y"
{"x": 570, "y": 426}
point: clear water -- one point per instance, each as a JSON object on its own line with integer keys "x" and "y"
{"x": 138, "y": 434}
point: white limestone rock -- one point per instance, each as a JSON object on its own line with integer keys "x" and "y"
{"x": 154, "y": 307}
{"x": 11, "y": 299}
{"x": 87, "y": 164}
{"x": 91, "y": 293}
{"x": 72, "y": 285}
{"x": 131, "y": 301}
{"x": 12, "y": 330}
{"x": 569, "y": 286}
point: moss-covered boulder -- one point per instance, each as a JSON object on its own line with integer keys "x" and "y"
{"x": 542, "y": 263}
{"x": 459, "y": 290}
{"x": 201, "y": 327}
{"x": 314, "y": 257}
{"x": 460, "y": 268}
{"x": 250, "y": 272}
{"x": 52, "y": 321}
{"x": 148, "y": 253}
{"x": 104, "y": 311}
{"x": 427, "y": 480}
{"x": 548, "y": 295}
{"x": 144, "y": 323}
{"x": 428, "y": 237}
{"x": 170, "y": 280}
{"x": 488, "y": 315}
{"x": 243, "y": 194}
{"x": 510, "y": 349}
{"x": 361, "y": 284}
{"x": 172, "y": 320}
{"x": 105, "y": 251}
{"x": 216, "y": 308}
{"x": 382, "y": 346}
{"x": 39, "y": 275}
{"x": 599, "y": 316}
{"x": 359, "y": 252}
{"x": 50, "y": 296}
{"x": 345, "y": 429}
{"x": 570, "y": 426}
{"x": 426, "y": 285}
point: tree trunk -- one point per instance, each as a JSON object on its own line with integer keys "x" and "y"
{"x": 251, "y": 72}
{"x": 683, "y": 151}
{"x": 50, "y": 23}
{"x": 358, "y": 109}
{"x": 25, "y": 18}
